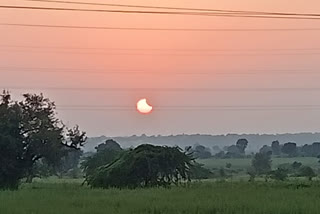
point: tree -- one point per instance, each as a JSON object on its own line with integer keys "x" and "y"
{"x": 105, "y": 154}
{"x": 197, "y": 171}
{"x": 144, "y": 166}
{"x": 201, "y": 152}
{"x": 109, "y": 145}
{"x": 11, "y": 148}
{"x": 290, "y": 149}
{"x": 265, "y": 149}
{"x": 276, "y": 148}
{"x": 279, "y": 174}
{"x": 242, "y": 145}
{"x": 296, "y": 165}
{"x": 311, "y": 150}
{"x": 233, "y": 151}
{"x": 261, "y": 163}
{"x": 306, "y": 171}
{"x": 29, "y": 132}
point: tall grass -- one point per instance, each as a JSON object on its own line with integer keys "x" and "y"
{"x": 206, "y": 198}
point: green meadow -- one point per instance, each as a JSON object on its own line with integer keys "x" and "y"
{"x": 51, "y": 197}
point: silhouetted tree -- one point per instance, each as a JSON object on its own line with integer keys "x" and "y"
{"x": 306, "y": 171}
{"x": 201, "y": 152}
{"x": 296, "y": 165}
{"x": 279, "y": 174}
{"x": 276, "y": 148}
{"x": 30, "y": 131}
{"x": 290, "y": 149}
{"x": 105, "y": 154}
{"x": 242, "y": 145}
{"x": 144, "y": 166}
{"x": 261, "y": 163}
{"x": 197, "y": 171}
{"x": 109, "y": 145}
{"x": 233, "y": 151}
{"x": 312, "y": 150}
{"x": 265, "y": 149}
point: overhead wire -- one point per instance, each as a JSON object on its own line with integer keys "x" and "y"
{"x": 175, "y": 8}
{"x": 160, "y": 12}
{"x": 158, "y": 29}
{"x": 176, "y": 89}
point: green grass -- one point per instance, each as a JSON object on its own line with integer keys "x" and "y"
{"x": 245, "y": 163}
{"x": 206, "y": 198}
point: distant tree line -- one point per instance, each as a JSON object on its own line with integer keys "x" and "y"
{"x": 238, "y": 150}
{"x": 262, "y": 166}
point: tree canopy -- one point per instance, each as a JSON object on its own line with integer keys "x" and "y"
{"x": 30, "y": 131}
{"x": 144, "y": 166}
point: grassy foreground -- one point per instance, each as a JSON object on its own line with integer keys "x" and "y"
{"x": 206, "y": 198}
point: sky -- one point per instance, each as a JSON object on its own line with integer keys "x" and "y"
{"x": 236, "y": 64}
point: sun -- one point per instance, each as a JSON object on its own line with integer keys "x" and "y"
{"x": 143, "y": 107}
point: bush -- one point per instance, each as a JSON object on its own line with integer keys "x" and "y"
{"x": 144, "y": 166}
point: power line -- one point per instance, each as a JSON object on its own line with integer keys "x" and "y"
{"x": 162, "y": 54}
{"x": 157, "y": 49}
{"x": 195, "y": 109}
{"x": 195, "y": 90}
{"x": 176, "y": 8}
{"x": 193, "y": 106}
{"x": 160, "y": 12}
{"x": 107, "y": 71}
{"x": 159, "y": 29}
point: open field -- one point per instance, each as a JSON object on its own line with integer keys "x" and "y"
{"x": 244, "y": 163}
{"x": 206, "y": 198}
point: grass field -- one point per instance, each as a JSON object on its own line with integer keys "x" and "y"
{"x": 244, "y": 163}
{"x": 203, "y": 198}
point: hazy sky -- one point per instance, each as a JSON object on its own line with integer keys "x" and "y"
{"x": 34, "y": 58}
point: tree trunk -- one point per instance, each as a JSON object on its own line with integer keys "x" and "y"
{"x": 29, "y": 178}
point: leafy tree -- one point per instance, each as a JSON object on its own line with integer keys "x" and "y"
{"x": 11, "y": 147}
{"x": 266, "y": 149}
{"x": 233, "y": 151}
{"x": 222, "y": 172}
{"x": 276, "y": 148}
{"x": 69, "y": 164}
{"x": 220, "y": 155}
{"x": 106, "y": 153}
{"x": 242, "y": 145}
{"x": 252, "y": 173}
{"x": 290, "y": 149}
{"x": 144, "y": 166}
{"x": 306, "y": 171}
{"x": 280, "y": 174}
{"x": 261, "y": 163}
{"x": 216, "y": 149}
{"x": 296, "y": 165}
{"x": 109, "y": 145}
{"x": 30, "y": 131}
{"x": 197, "y": 171}
{"x": 228, "y": 165}
{"x": 311, "y": 150}
{"x": 201, "y": 152}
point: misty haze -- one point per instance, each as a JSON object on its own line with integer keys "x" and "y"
{"x": 159, "y": 107}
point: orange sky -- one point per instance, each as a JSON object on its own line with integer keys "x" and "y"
{"x": 166, "y": 64}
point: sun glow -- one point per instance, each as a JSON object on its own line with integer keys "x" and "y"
{"x": 143, "y": 107}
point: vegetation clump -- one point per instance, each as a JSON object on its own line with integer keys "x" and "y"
{"x": 144, "y": 166}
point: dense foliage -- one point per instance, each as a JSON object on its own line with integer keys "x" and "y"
{"x": 105, "y": 154}
{"x": 144, "y": 166}
{"x": 30, "y": 132}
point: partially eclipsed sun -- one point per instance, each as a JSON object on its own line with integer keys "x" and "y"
{"x": 143, "y": 107}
